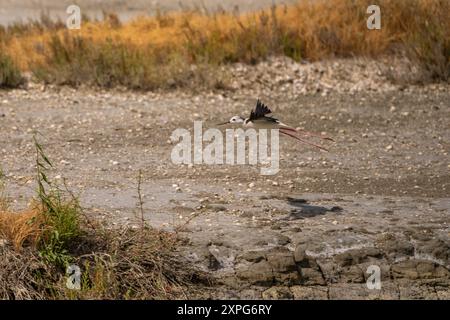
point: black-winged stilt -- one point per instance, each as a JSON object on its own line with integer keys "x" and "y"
{"x": 259, "y": 120}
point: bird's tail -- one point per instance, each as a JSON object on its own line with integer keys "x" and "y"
{"x": 291, "y": 134}
{"x": 304, "y": 132}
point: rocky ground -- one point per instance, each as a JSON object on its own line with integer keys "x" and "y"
{"x": 379, "y": 197}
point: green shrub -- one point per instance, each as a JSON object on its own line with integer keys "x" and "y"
{"x": 76, "y": 61}
{"x": 61, "y": 217}
{"x": 10, "y": 75}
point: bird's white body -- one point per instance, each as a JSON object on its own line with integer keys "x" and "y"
{"x": 265, "y": 124}
{"x": 259, "y": 120}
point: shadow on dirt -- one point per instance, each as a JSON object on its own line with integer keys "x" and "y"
{"x": 304, "y": 210}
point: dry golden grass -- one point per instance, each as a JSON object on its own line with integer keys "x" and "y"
{"x": 116, "y": 263}
{"x": 21, "y": 228}
{"x": 146, "y": 49}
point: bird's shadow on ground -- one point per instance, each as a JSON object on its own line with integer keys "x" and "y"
{"x": 301, "y": 209}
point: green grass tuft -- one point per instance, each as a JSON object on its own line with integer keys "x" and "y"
{"x": 76, "y": 61}
{"x": 61, "y": 217}
{"x": 10, "y": 75}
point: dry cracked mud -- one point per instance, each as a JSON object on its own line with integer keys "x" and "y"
{"x": 379, "y": 197}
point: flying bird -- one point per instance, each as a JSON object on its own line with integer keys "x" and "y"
{"x": 258, "y": 119}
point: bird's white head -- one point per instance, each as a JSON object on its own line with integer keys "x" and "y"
{"x": 234, "y": 120}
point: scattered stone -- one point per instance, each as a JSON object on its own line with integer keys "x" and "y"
{"x": 247, "y": 294}
{"x": 283, "y": 265}
{"x": 443, "y": 293}
{"x": 437, "y": 248}
{"x": 412, "y": 290}
{"x": 282, "y": 240}
{"x": 253, "y": 256}
{"x": 357, "y": 256}
{"x": 389, "y": 291}
{"x": 419, "y": 269}
{"x": 309, "y": 293}
{"x": 311, "y": 277}
{"x": 277, "y": 293}
{"x": 221, "y": 257}
{"x": 352, "y": 274}
{"x": 395, "y": 248}
{"x": 350, "y": 291}
{"x": 259, "y": 273}
{"x": 300, "y": 256}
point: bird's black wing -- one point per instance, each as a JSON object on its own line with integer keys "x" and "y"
{"x": 260, "y": 111}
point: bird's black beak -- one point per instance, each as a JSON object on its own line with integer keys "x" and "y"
{"x": 222, "y": 124}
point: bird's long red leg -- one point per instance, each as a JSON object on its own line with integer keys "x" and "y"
{"x": 308, "y": 133}
{"x": 315, "y": 135}
{"x": 301, "y": 140}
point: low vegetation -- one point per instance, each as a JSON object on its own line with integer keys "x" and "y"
{"x": 161, "y": 51}
{"x": 10, "y": 74}
{"x": 39, "y": 244}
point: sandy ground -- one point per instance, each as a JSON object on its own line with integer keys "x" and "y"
{"x": 379, "y": 197}
{"x": 22, "y": 10}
